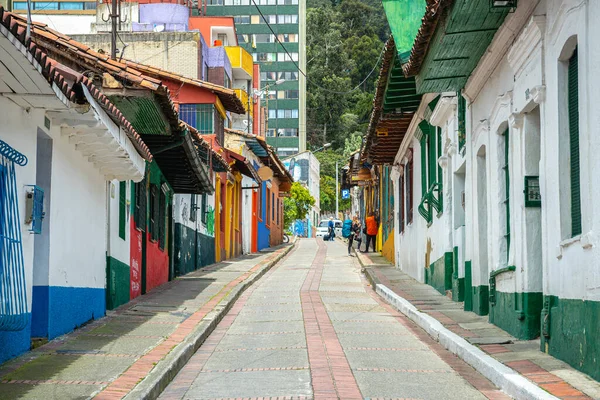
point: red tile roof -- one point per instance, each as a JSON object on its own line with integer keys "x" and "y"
{"x": 51, "y": 71}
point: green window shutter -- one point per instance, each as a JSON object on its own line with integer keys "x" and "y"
{"x": 507, "y": 190}
{"x": 193, "y": 207}
{"x": 440, "y": 177}
{"x": 203, "y": 209}
{"x": 424, "y": 165}
{"x": 122, "y": 209}
{"x": 401, "y": 203}
{"x": 462, "y": 113}
{"x": 409, "y": 192}
{"x": 573, "y": 99}
{"x": 431, "y": 156}
{"x": 162, "y": 217}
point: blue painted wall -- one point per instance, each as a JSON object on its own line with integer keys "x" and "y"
{"x": 14, "y": 343}
{"x": 264, "y": 233}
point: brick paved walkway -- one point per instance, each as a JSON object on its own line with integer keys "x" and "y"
{"x": 107, "y": 358}
{"x": 312, "y": 328}
{"x": 554, "y": 376}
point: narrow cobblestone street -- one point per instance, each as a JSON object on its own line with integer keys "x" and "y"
{"x": 313, "y": 328}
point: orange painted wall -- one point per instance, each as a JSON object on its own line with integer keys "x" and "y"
{"x": 203, "y": 24}
{"x": 276, "y": 224}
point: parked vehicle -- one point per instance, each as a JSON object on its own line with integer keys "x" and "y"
{"x": 323, "y": 227}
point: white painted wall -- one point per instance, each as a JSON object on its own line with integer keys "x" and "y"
{"x": 66, "y": 24}
{"x": 417, "y": 240}
{"x": 78, "y": 214}
{"x": 118, "y": 248}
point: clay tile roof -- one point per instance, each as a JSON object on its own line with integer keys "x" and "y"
{"x": 227, "y": 96}
{"x": 51, "y": 71}
{"x": 433, "y": 13}
{"x": 206, "y": 147}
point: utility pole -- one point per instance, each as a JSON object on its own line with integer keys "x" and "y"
{"x": 337, "y": 191}
{"x": 113, "y": 38}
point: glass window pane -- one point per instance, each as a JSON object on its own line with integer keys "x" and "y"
{"x": 71, "y": 6}
{"x": 255, "y": 19}
{"x": 45, "y": 5}
{"x": 19, "y": 5}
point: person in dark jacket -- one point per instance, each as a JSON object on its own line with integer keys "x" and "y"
{"x": 355, "y": 235}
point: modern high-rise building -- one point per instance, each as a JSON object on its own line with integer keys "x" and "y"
{"x": 283, "y": 85}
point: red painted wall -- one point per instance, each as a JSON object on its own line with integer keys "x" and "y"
{"x": 189, "y": 94}
{"x": 135, "y": 261}
{"x": 275, "y": 225}
{"x": 157, "y": 265}
{"x": 254, "y": 244}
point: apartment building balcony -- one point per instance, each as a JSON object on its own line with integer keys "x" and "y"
{"x": 241, "y": 62}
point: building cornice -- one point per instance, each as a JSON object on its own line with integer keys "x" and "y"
{"x": 504, "y": 38}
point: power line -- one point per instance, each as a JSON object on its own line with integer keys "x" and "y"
{"x": 303, "y": 73}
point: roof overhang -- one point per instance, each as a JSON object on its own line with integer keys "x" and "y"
{"x": 452, "y": 39}
{"x": 394, "y": 105}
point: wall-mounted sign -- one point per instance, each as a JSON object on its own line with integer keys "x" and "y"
{"x": 382, "y": 131}
{"x": 345, "y": 194}
{"x": 265, "y": 173}
{"x": 533, "y": 194}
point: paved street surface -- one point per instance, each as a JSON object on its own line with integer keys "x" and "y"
{"x": 313, "y": 328}
{"x": 109, "y": 357}
{"x": 524, "y": 356}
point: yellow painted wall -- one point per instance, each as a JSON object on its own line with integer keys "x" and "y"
{"x": 218, "y": 212}
{"x": 388, "y": 249}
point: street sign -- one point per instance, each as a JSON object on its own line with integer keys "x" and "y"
{"x": 345, "y": 194}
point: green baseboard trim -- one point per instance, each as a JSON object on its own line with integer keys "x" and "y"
{"x": 439, "y": 274}
{"x": 193, "y": 250}
{"x": 573, "y": 328}
{"x": 518, "y": 313}
{"x": 118, "y": 281}
{"x": 481, "y": 299}
{"x": 468, "y": 306}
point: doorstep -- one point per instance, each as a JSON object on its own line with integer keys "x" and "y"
{"x": 138, "y": 348}
{"x": 551, "y": 374}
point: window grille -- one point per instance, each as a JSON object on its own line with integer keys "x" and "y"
{"x": 200, "y": 116}
{"x": 573, "y": 107}
{"x": 13, "y": 291}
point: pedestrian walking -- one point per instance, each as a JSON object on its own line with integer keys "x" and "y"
{"x": 331, "y": 227}
{"x": 355, "y": 234}
{"x": 372, "y": 227}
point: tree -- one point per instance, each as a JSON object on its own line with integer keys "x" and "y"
{"x": 353, "y": 143}
{"x": 298, "y": 204}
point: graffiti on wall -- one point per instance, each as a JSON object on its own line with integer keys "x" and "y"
{"x": 210, "y": 221}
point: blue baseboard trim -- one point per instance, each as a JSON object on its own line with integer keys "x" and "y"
{"x": 71, "y": 307}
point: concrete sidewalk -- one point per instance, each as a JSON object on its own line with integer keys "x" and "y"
{"x": 138, "y": 348}
{"x": 524, "y": 357}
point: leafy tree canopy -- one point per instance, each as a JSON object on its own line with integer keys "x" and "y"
{"x": 298, "y": 204}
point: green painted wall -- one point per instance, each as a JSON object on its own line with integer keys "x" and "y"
{"x": 518, "y": 314}
{"x": 117, "y": 283}
{"x": 439, "y": 274}
{"x": 481, "y": 299}
{"x": 574, "y": 333}
{"x": 468, "y": 306}
{"x": 192, "y": 250}
{"x": 458, "y": 284}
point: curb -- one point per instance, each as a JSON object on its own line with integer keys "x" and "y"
{"x": 507, "y": 379}
{"x": 166, "y": 369}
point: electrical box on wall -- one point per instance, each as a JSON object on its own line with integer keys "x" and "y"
{"x": 34, "y": 208}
